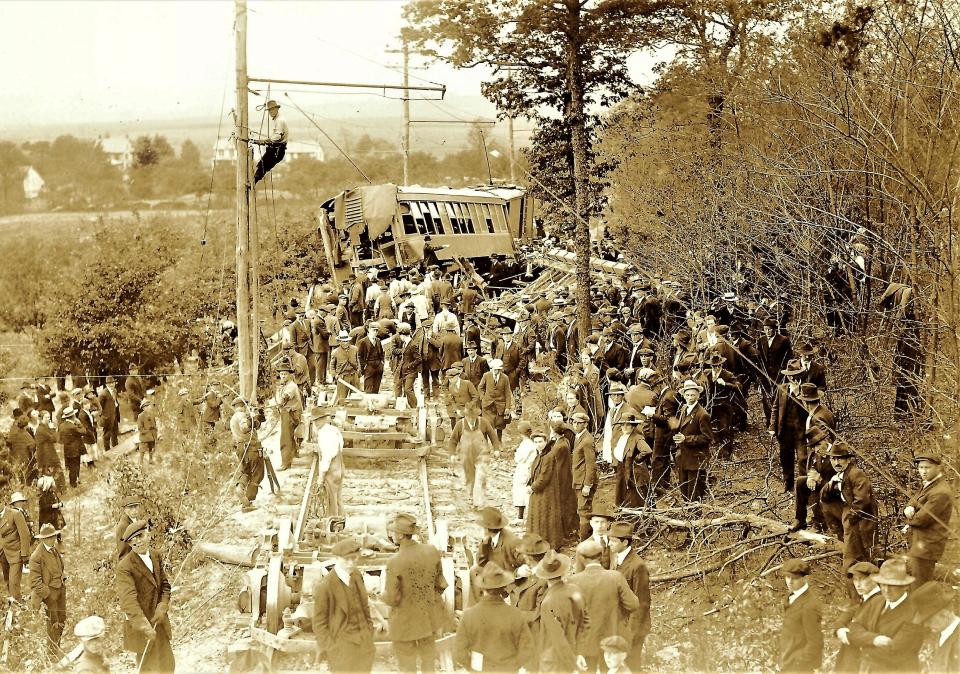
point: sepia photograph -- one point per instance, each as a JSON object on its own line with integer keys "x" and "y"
{"x": 513, "y": 336}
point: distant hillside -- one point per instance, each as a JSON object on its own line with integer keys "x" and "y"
{"x": 344, "y": 122}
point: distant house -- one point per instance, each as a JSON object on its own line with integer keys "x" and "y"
{"x": 226, "y": 150}
{"x": 119, "y": 150}
{"x": 33, "y": 183}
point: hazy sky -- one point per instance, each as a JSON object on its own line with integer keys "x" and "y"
{"x": 77, "y": 62}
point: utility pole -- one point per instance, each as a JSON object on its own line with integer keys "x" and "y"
{"x": 406, "y": 110}
{"x": 247, "y": 325}
{"x": 513, "y": 168}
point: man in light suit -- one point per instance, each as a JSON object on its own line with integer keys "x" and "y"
{"x": 48, "y": 582}
{"x": 496, "y": 396}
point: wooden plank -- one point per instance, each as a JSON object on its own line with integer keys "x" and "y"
{"x": 380, "y": 453}
{"x": 379, "y": 435}
{"x": 302, "y": 515}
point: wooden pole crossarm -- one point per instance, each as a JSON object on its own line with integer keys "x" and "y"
{"x": 351, "y": 85}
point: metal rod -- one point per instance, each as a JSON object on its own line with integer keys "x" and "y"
{"x": 442, "y": 88}
{"x": 451, "y": 121}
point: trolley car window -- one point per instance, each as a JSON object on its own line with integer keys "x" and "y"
{"x": 434, "y": 215}
{"x": 409, "y": 225}
{"x": 454, "y": 220}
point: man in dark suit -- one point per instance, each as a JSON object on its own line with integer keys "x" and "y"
{"x": 413, "y": 587}
{"x": 939, "y": 614}
{"x": 721, "y": 391}
{"x": 426, "y": 344}
{"x": 135, "y": 389}
{"x": 665, "y": 414}
{"x": 499, "y": 546}
{"x": 625, "y": 559}
{"x": 494, "y": 636}
{"x": 371, "y": 357}
{"x": 110, "y": 418}
{"x": 814, "y": 372}
{"x": 787, "y": 420}
{"x": 341, "y": 614}
{"x": 460, "y": 393}
{"x": 851, "y": 488}
{"x": 813, "y": 467}
{"x": 511, "y": 353}
{"x": 801, "y": 639}
{"x": 693, "y": 437}
{"x": 928, "y": 517}
{"x": 775, "y": 352}
{"x": 584, "y": 464}
{"x": 885, "y": 632}
{"x": 48, "y": 583}
{"x": 144, "y": 593}
{"x": 608, "y": 599}
{"x": 474, "y": 367}
{"x": 496, "y": 396}
{"x": 319, "y": 347}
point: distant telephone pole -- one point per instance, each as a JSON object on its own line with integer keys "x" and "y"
{"x": 406, "y": 111}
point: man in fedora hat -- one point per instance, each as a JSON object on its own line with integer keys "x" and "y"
{"x": 110, "y": 413}
{"x": 474, "y": 367}
{"x": 144, "y": 593}
{"x": 560, "y": 621}
{"x": 330, "y": 469}
{"x": 813, "y": 372}
{"x": 693, "y": 437}
{"x": 613, "y": 429}
{"x": 528, "y": 587}
{"x": 868, "y": 593}
{"x": 813, "y": 467}
{"x": 631, "y": 458}
{"x": 413, "y": 588}
{"x": 885, "y": 632}
{"x": 73, "y": 436}
{"x": 499, "y": 545}
{"x": 342, "y": 624}
{"x": 775, "y": 352}
{"x": 460, "y": 393}
{"x": 608, "y": 600}
{"x": 92, "y": 660}
{"x": 787, "y": 421}
{"x": 626, "y": 560}
{"x": 496, "y": 396}
{"x": 47, "y": 582}
{"x": 274, "y": 141}
{"x": 801, "y": 638}
{"x": 928, "y": 516}
{"x": 16, "y": 536}
{"x": 290, "y": 407}
{"x": 135, "y": 388}
{"x": 851, "y": 490}
{"x": 494, "y": 636}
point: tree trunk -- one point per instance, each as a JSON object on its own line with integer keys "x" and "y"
{"x": 576, "y": 122}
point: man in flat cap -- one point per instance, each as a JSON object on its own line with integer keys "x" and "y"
{"x": 90, "y": 631}
{"x": 146, "y": 429}
{"x": 851, "y": 489}
{"x": 341, "y": 613}
{"x": 801, "y": 638}
{"x": 413, "y": 588}
{"x": 371, "y": 358}
{"x": 868, "y": 593}
{"x": 290, "y": 407}
{"x": 494, "y": 636}
{"x": 496, "y": 396}
{"x": 928, "y": 517}
{"x": 48, "y": 583}
{"x": 274, "y": 141}
{"x": 144, "y": 593}
{"x": 460, "y": 393}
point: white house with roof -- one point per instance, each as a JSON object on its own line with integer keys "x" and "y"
{"x": 118, "y": 149}
{"x": 33, "y": 183}
{"x": 226, "y": 150}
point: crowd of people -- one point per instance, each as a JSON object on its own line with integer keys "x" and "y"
{"x": 656, "y": 396}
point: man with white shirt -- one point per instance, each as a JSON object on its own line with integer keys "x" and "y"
{"x": 868, "y": 593}
{"x": 928, "y": 517}
{"x": 330, "y": 469}
{"x": 341, "y": 614}
{"x": 801, "y": 639}
{"x": 144, "y": 594}
{"x": 625, "y": 559}
{"x": 851, "y": 487}
{"x": 613, "y": 429}
{"x": 275, "y": 141}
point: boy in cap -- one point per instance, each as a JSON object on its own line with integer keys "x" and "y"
{"x": 413, "y": 588}
{"x": 48, "y": 582}
{"x": 341, "y": 613}
{"x": 868, "y": 593}
{"x": 494, "y": 636}
{"x": 90, "y": 631}
{"x": 801, "y": 639}
{"x": 615, "y": 650}
{"x": 144, "y": 593}
{"x": 146, "y": 429}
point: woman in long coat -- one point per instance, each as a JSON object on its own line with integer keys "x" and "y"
{"x": 545, "y": 516}
{"x": 48, "y": 460}
{"x": 523, "y": 457}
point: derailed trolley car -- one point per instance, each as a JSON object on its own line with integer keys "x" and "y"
{"x": 399, "y": 226}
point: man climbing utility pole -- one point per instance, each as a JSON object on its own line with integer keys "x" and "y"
{"x": 275, "y": 141}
